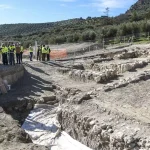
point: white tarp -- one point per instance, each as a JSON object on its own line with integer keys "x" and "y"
{"x": 43, "y": 127}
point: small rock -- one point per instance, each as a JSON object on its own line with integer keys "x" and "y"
{"x": 104, "y": 127}
{"x": 105, "y": 135}
{"x": 29, "y": 106}
{"x": 92, "y": 122}
{"x": 119, "y": 136}
{"x": 109, "y": 112}
{"x": 1, "y": 139}
{"x": 110, "y": 130}
{"x": 104, "y": 110}
{"x": 96, "y": 129}
{"x": 1, "y": 110}
{"x": 81, "y": 97}
{"x": 132, "y": 145}
{"x": 49, "y": 98}
{"x": 109, "y": 127}
{"x": 110, "y": 119}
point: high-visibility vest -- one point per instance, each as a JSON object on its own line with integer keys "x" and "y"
{"x": 48, "y": 50}
{"x": 4, "y": 49}
{"x": 30, "y": 49}
{"x": 21, "y": 49}
{"x": 44, "y": 50}
{"x": 12, "y": 49}
{"x": 9, "y": 48}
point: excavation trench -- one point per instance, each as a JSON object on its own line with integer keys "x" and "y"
{"x": 61, "y": 127}
{"x": 42, "y": 123}
{"x": 44, "y": 128}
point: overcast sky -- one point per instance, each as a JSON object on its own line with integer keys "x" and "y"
{"x": 37, "y": 11}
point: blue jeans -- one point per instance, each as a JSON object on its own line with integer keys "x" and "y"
{"x": 11, "y": 59}
{"x": 5, "y": 59}
{"x": 31, "y": 55}
{"x": 18, "y": 58}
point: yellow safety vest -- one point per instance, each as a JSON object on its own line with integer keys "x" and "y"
{"x": 44, "y": 50}
{"x": 21, "y": 49}
{"x": 48, "y": 50}
{"x": 4, "y": 49}
{"x": 31, "y": 49}
{"x": 12, "y": 49}
{"x": 9, "y": 48}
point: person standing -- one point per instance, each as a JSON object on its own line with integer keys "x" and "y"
{"x": 4, "y": 55}
{"x": 44, "y": 52}
{"x": 11, "y": 54}
{"x": 39, "y": 51}
{"x": 8, "y": 54}
{"x": 48, "y": 53}
{"x": 18, "y": 49}
{"x": 0, "y": 53}
{"x": 31, "y": 52}
{"x": 21, "y": 52}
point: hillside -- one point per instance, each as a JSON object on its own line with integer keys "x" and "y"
{"x": 141, "y": 7}
{"x": 79, "y": 29}
{"x": 25, "y": 28}
{"x": 139, "y": 11}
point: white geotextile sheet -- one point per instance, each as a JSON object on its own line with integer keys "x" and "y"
{"x": 43, "y": 127}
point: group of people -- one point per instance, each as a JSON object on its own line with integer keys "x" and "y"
{"x": 9, "y": 51}
{"x": 43, "y": 53}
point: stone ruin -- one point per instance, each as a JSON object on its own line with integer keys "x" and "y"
{"x": 98, "y": 77}
{"x": 100, "y": 72}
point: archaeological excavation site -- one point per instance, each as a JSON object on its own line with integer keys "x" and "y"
{"x": 96, "y": 100}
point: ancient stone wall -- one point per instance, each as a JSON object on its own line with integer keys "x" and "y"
{"x": 98, "y": 136}
{"x": 120, "y": 67}
{"x": 12, "y": 74}
{"x": 132, "y": 53}
{"x": 98, "y": 77}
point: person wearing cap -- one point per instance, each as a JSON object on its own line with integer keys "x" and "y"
{"x": 31, "y": 52}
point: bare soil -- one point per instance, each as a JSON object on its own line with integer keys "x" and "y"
{"x": 126, "y": 108}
